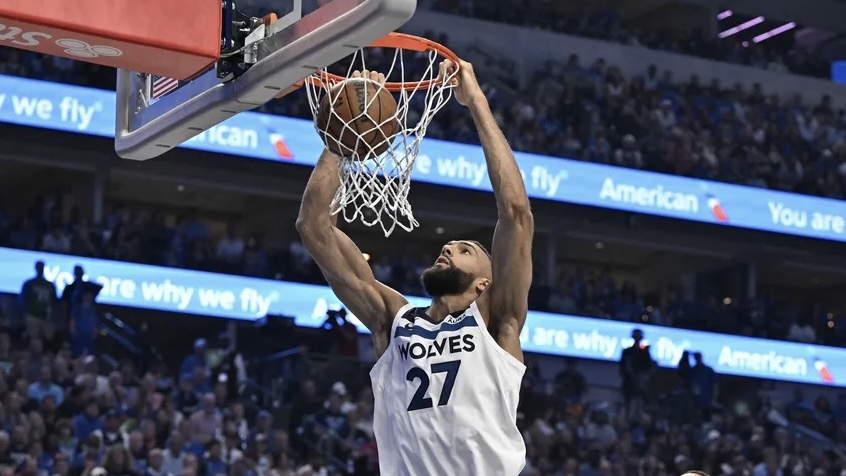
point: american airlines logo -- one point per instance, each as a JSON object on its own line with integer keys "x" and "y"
{"x": 81, "y": 49}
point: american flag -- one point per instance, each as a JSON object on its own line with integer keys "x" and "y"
{"x": 163, "y": 85}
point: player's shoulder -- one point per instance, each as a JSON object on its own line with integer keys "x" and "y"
{"x": 394, "y": 303}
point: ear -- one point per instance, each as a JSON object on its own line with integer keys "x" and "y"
{"x": 482, "y": 284}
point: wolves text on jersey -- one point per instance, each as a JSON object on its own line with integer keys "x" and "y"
{"x": 440, "y": 346}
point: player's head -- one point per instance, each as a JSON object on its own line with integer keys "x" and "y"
{"x": 461, "y": 266}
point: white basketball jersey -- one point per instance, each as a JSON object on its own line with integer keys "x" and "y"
{"x": 446, "y": 399}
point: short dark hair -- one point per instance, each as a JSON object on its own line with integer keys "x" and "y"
{"x": 481, "y": 247}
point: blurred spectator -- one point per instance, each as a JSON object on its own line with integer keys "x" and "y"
{"x": 87, "y": 423}
{"x": 384, "y": 270}
{"x": 570, "y": 383}
{"x": 56, "y": 240}
{"x": 39, "y": 298}
{"x": 230, "y": 249}
{"x": 87, "y": 459}
{"x": 206, "y": 421}
{"x": 73, "y": 293}
{"x": 45, "y": 388}
{"x": 802, "y": 331}
{"x": 213, "y": 461}
{"x": 118, "y": 462}
{"x": 344, "y": 333}
{"x": 174, "y": 455}
{"x": 701, "y": 382}
{"x": 561, "y": 299}
{"x": 636, "y": 368}
{"x": 196, "y": 360}
{"x": 111, "y": 433}
{"x": 84, "y": 325}
{"x": 305, "y": 406}
{"x": 155, "y": 465}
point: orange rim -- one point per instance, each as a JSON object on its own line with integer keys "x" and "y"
{"x": 391, "y": 40}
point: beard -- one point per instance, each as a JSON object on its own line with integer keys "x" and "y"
{"x": 445, "y": 281}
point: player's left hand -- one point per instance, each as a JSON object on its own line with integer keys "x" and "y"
{"x": 467, "y": 89}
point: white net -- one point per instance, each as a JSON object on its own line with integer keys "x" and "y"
{"x": 376, "y": 160}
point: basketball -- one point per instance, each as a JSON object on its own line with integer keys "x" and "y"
{"x": 360, "y": 121}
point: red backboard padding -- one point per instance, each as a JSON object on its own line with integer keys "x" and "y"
{"x": 174, "y": 38}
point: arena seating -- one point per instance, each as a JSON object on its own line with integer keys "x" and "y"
{"x": 607, "y": 24}
{"x": 65, "y": 415}
{"x": 656, "y": 124}
{"x": 653, "y": 121}
{"x": 145, "y": 237}
{"x": 152, "y": 414}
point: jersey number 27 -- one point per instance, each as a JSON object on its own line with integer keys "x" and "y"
{"x": 421, "y": 400}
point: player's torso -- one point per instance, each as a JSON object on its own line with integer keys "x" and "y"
{"x": 446, "y": 399}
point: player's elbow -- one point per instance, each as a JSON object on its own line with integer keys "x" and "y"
{"x": 310, "y": 230}
{"x": 303, "y": 225}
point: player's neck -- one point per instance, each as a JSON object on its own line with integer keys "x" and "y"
{"x": 443, "y": 306}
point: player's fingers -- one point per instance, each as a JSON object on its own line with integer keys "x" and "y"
{"x": 356, "y": 74}
{"x": 443, "y": 68}
{"x": 445, "y": 71}
{"x": 381, "y": 78}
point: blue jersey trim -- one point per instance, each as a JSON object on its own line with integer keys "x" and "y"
{"x": 432, "y": 334}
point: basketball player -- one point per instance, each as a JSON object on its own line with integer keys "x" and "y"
{"x": 448, "y": 376}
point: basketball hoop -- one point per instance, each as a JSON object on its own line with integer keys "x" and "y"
{"x": 374, "y": 188}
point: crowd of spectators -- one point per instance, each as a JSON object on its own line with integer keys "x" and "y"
{"x": 160, "y": 238}
{"x": 608, "y": 24}
{"x": 61, "y": 414}
{"x": 589, "y": 112}
{"x": 655, "y": 121}
{"x": 573, "y": 428}
{"x": 65, "y": 414}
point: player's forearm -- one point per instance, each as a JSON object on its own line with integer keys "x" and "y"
{"x": 324, "y": 182}
{"x": 506, "y": 180}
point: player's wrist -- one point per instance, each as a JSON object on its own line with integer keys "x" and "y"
{"x": 478, "y": 104}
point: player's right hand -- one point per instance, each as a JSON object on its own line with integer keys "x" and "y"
{"x": 467, "y": 89}
{"x": 371, "y": 75}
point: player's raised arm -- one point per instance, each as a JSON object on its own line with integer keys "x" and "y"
{"x": 340, "y": 260}
{"x": 511, "y": 254}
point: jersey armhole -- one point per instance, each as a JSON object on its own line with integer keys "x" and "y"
{"x": 376, "y": 370}
{"x": 510, "y": 360}
{"x": 395, "y": 322}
